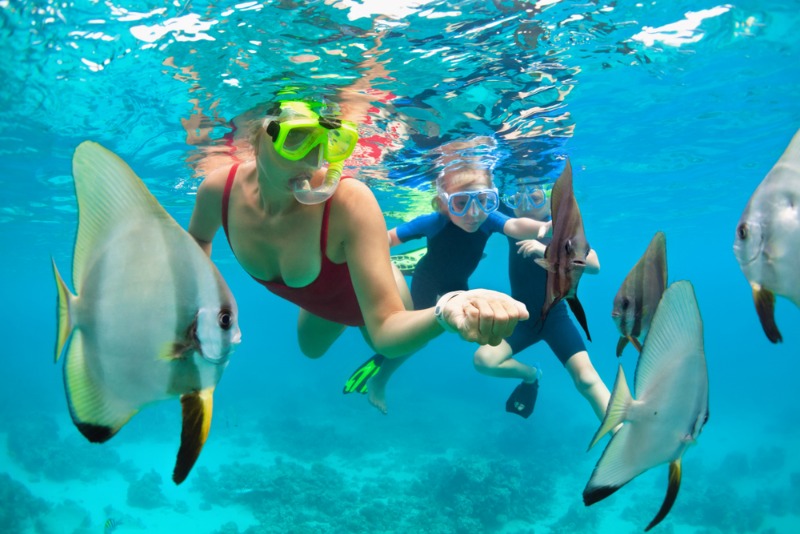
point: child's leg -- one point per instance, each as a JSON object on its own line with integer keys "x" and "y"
{"x": 588, "y": 382}
{"x": 499, "y": 362}
{"x": 315, "y": 335}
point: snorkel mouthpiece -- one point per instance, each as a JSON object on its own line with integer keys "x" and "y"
{"x": 305, "y": 194}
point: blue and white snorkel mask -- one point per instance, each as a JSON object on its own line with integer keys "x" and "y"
{"x": 527, "y": 196}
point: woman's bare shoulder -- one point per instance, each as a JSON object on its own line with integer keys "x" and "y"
{"x": 215, "y": 179}
{"x": 355, "y": 210}
{"x": 353, "y": 198}
{"x": 214, "y": 182}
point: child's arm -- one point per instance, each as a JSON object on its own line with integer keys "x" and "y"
{"x": 531, "y": 247}
{"x": 535, "y": 248}
{"x": 592, "y": 263}
{"x": 416, "y": 228}
{"x": 393, "y": 239}
{"x": 525, "y": 228}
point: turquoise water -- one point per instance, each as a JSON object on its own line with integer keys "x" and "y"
{"x": 671, "y": 114}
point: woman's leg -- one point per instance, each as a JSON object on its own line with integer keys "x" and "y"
{"x": 315, "y": 335}
{"x": 588, "y": 382}
{"x": 376, "y": 386}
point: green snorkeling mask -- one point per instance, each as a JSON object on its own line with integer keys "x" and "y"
{"x": 299, "y": 130}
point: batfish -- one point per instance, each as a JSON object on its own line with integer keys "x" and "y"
{"x": 767, "y": 244}
{"x": 565, "y": 256}
{"x": 638, "y": 297}
{"x": 152, "y": 318}
{"x": 670, "y": 408}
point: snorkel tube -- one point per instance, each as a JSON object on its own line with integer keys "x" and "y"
{"x": 305, "y": 194}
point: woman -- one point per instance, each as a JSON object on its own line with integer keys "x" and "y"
{"x": 322, "y": 244}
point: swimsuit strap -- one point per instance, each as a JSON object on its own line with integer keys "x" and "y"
{"x": 323, "y": 235}
{"x": 226, "y": 196}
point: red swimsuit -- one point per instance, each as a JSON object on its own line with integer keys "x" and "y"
{"x": 331, "y": 295}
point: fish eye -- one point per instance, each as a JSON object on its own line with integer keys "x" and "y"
{"x": 568, "y": 247}
{"x": 625, "y": 303}
{"x": 225, "y": 319}
{"x": 741, "y": 231}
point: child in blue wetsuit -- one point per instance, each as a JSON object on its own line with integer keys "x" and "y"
{"x": 528, "y": 285}
{"x": 466, "y": 215}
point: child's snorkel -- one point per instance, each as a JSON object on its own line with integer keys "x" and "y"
{"x": 297, "y": 131}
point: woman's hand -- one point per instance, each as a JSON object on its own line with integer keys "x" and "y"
{"x": 483, "y": 316}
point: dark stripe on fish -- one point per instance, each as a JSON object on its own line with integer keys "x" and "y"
{"x": 638, "y": 304}
{"x": 184, "y": 374}
{"x": 95, "y": 433}
{"x": 598, "y": 494}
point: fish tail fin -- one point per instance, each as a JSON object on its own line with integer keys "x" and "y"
{"x": 197, "y": 408}
{"x": 617, "y": 410}
{"x": 580, "y": 315}
{"x": 95, "y": 415}
{"x": 543, "y": 316}
{"x": 63, "y": 317}
{"x": 672, "y": 493}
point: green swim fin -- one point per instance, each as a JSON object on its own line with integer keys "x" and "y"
{"x": 357, "y": 383}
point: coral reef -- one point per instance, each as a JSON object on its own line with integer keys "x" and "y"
{"x": 576, "y": 519}
{"x": 20, "y": 508}
{"x": 146, "y": 492}
{"x": 67, "y": 516}
{"x": 34, "y": 443}
{"x": 723, "y": 507}
{"x": 450, "y": 495}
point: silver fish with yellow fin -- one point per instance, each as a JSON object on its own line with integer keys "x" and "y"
{"x": 637, "y": 298}
{"x": 565, "y": 256}
{"x": 767, "y": 243}
{"x": 152, "y": 318}
{"x": 670, "y": 408}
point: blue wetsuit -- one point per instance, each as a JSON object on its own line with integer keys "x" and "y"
{"x": 452, "y": 257}
{"x": 528, "y": 284}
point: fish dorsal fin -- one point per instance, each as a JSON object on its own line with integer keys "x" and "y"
{"x": 657, "y": 254}
{"x": 789, "y": 160}
{"x": 562, "y": 188}
{"x": 676, "y": 330}
{"x": 108, "y": 192}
